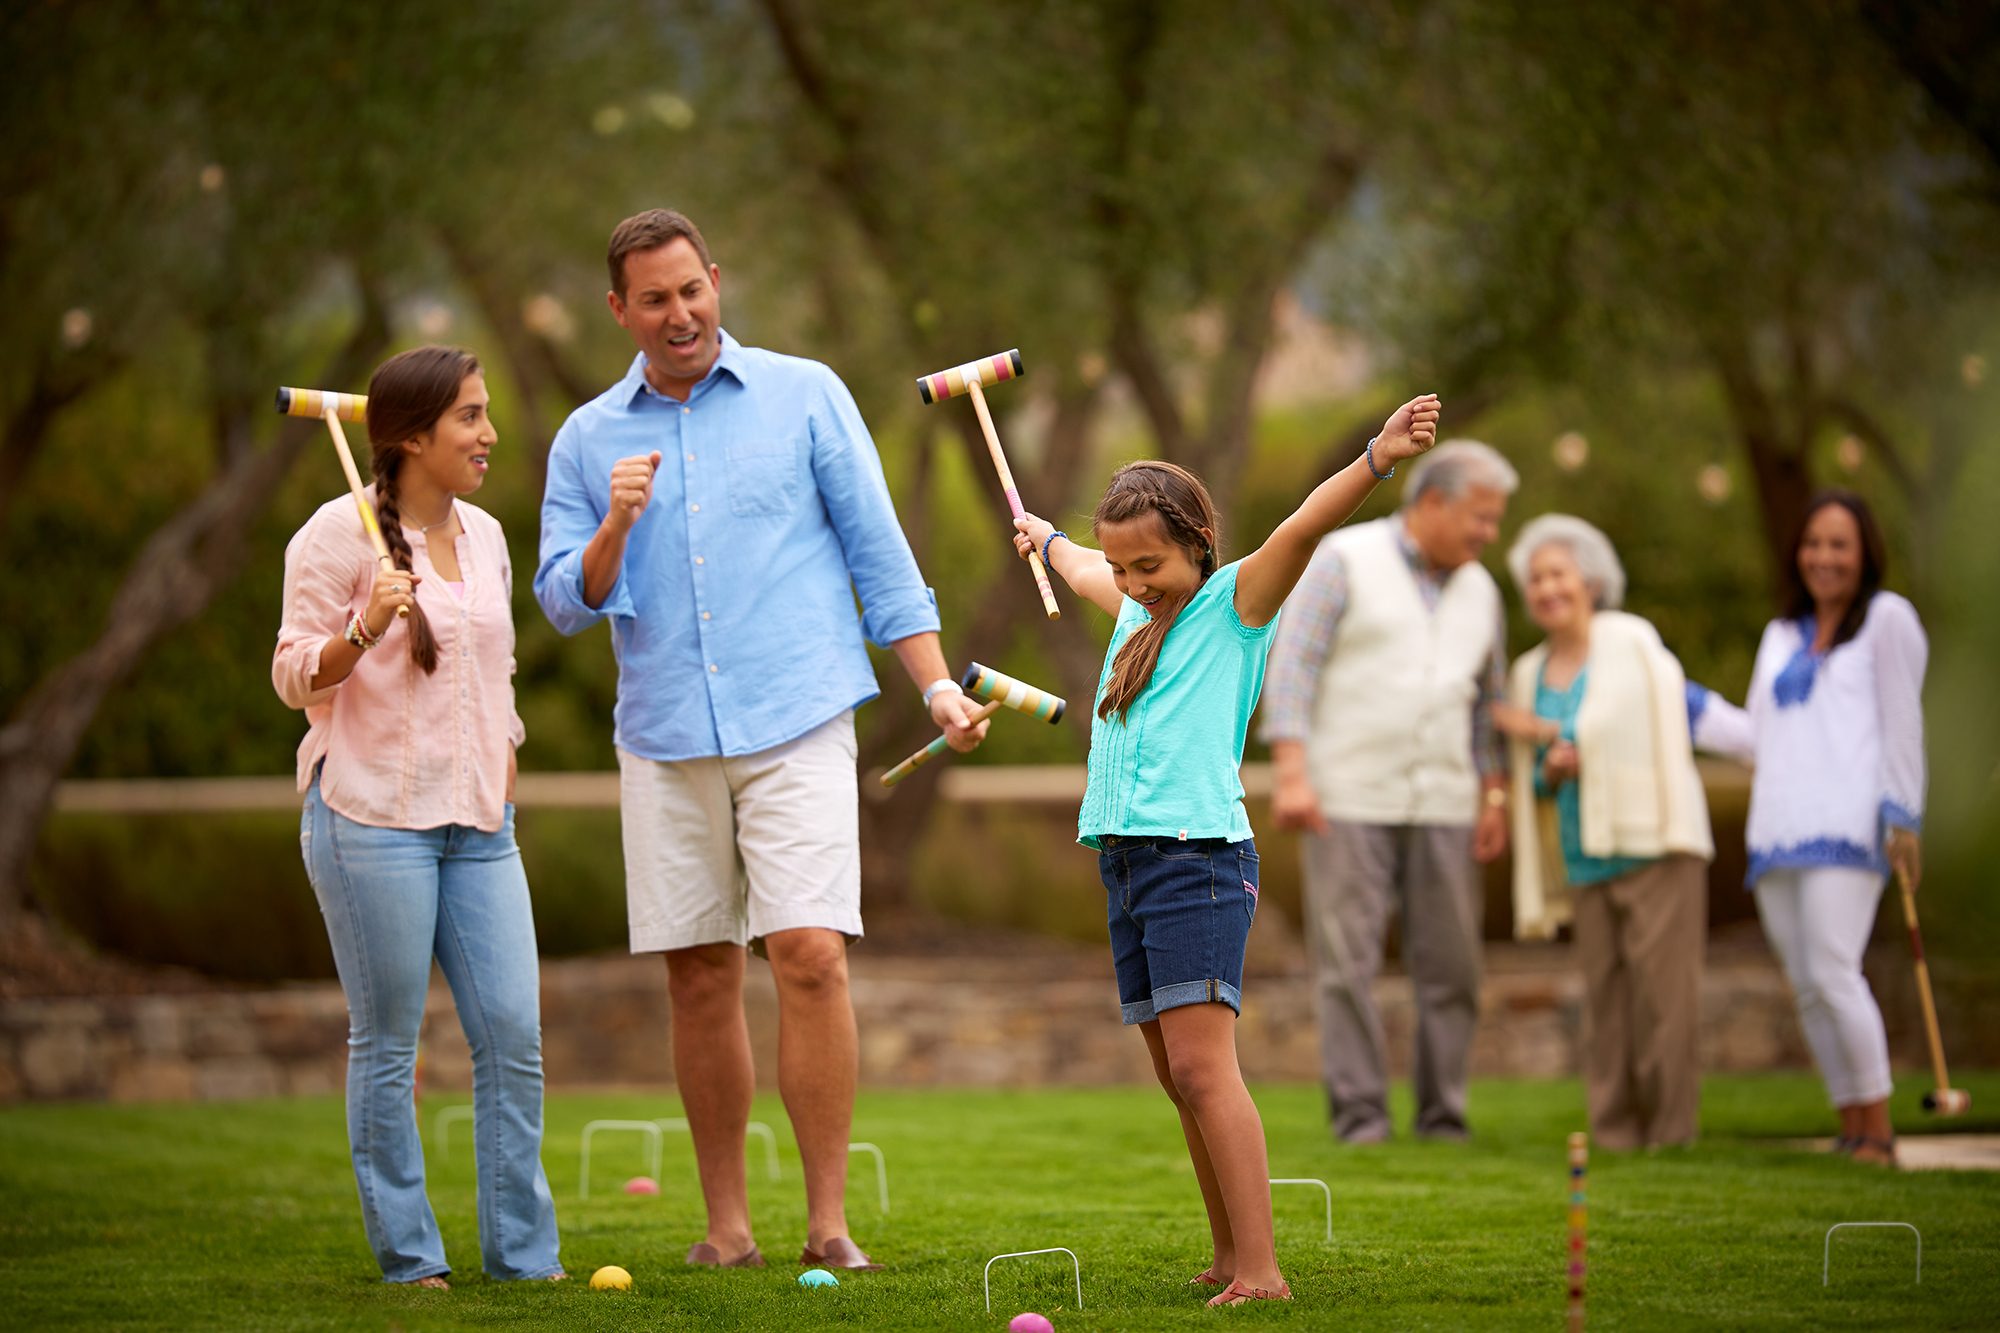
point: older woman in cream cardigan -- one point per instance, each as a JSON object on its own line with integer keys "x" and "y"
{"x": 1610, "y": 829}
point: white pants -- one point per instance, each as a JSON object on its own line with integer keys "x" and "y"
{"x": 1818, "y": 921}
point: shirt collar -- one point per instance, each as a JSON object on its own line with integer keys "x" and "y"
{"x": 729, "y": 361}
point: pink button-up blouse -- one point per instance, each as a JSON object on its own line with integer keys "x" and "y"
{"x": 402, "y": 749}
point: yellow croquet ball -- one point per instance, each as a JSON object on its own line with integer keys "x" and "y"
{"x": 611, "y": 1278}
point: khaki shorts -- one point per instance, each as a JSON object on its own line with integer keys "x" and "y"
{"x": 730, "y": 850}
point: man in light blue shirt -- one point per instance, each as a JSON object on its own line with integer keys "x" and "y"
{"x": 724, "y": 507}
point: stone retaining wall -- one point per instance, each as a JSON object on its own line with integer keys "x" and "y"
{"x": 1020, "y": 1019}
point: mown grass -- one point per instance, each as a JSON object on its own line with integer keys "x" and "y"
{"x": 243, "y": 1216}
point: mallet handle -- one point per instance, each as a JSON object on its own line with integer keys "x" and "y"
{"x": 931, "y": 751}
{"x": 368, "y": 519}
{"x": 1013, "y": 495}
{"x": 1924, "y": 983}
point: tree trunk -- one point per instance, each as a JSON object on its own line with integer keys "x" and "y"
{"x": 175, "y": 575}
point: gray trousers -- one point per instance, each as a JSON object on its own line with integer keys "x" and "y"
{"x": 1355, "y": 875}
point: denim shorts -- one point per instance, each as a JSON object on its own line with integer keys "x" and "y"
{"x": 1180, "y": 914}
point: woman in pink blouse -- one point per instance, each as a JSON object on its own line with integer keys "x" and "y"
{"x": 408, "y": 831}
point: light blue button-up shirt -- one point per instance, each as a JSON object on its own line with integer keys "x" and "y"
{"x": 733, "y": 617}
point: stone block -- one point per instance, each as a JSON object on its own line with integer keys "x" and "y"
{"x": 153, "y": 1079}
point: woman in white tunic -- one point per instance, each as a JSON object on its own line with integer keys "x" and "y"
{"x": 1834, "y": 725}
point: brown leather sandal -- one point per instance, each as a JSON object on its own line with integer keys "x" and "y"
{"x": 839, "y": 1253}
{"x": 703, "y": 1255}
{"x": 1236, "y": 1294}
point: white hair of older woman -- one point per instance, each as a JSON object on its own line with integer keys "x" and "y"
{"x": 1454, "y": 467}
{"x": 1596, "y": 559}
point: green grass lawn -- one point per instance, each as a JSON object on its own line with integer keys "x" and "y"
{"x": 243, "y": 1215}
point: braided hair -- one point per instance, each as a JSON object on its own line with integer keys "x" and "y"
{"x": 407, "y": 395}
{"x": 1188, "y": 515}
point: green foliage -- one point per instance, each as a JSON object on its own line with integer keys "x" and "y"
{"x": 97, "y": 1203}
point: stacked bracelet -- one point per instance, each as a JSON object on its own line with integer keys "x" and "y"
{"x": 357, "y": 632}
{"x": 1378, "y": 473}
{"x": 1049, "y": 541}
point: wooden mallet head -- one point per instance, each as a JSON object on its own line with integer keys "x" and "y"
{"x": 1003, "y": 689}
{"x": 315, "y": 402}
{"x": 954, "y": 382}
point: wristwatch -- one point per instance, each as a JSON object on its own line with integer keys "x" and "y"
{"x": 1496, "y": 797}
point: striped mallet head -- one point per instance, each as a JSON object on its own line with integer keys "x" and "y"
{"x": 315, "y": 402}
{"x": 987, "y": 683}
{"x": 988, "y": 371}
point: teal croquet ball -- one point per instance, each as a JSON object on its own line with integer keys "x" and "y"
{"x": 1030, "y": 1322}
{"x": 818, "y": 1277}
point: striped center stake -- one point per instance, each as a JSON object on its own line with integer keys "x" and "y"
{"x": 952, "y": 383}
{"x": 1579, "y": 1167}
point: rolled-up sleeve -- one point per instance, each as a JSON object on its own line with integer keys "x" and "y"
{"x": 570, "y": 518}
{"x": 1298, "y": 654}
{"x": 321, "y": 576}
{"x": 895, "y": 603}
{"x": 1901, "y": 656}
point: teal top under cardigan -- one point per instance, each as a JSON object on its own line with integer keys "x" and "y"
{"x": 1173, "y": 766}
{"x": 1583, "y": 869}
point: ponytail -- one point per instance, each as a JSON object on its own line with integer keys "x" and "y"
{"x": 1185, "y": 510}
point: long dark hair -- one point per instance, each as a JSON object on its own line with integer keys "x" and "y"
{"x": 1185, "y": 509}
{"x": 1874, "y": 563}
{"x": 406, "y": 396}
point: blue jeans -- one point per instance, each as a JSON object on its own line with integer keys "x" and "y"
{"x": 392, "y": 899}
{"x": 1180, "y": 913}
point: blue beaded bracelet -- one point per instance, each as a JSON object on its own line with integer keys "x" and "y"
{"x": 1049, "y": 541}
{"x": 1378, "y": 474}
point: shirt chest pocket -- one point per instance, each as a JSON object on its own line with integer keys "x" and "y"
{"x": 763, "y": 477}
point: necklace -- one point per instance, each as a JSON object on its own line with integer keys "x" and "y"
{"x": 424, "y": 528}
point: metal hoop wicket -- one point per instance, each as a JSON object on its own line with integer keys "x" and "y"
{"x": 441, "y": 1127}
{"x": 645, "y": 1128}
{"x": 986, "y": 1274}
{"x": 881, "y": 1171}
{"x": 1826, "y": 1259}
{"x": 1324, "y": 1189}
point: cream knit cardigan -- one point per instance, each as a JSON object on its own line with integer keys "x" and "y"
{"x": 1640, "y": 794}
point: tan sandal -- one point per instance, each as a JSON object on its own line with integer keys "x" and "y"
{"x": 435, "y": 1282}
{"x": 1237, "y": 1294}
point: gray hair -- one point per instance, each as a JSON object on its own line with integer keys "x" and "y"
{"x": 1454, "y": 467}
{"x": 1595, "y": 557}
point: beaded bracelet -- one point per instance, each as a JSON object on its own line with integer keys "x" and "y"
{"x": 1378, "y": 473}
{"x": 357, "y": 632}
{"x": 1049, "y": 541}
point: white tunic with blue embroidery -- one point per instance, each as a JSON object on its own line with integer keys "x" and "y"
{"x": 1837, "y": 739}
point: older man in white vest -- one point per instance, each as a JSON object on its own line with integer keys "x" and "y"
{"x": 1376, "y": 709}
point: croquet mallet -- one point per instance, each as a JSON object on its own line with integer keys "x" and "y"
{"x": 1944, "y": 1099}
{"x": 968, "y": 379}
{"x": 1003, "y": 691}
{"x": 332, "y": 407}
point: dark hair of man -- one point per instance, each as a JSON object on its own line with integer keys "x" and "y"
{"x": 649, "y": 231}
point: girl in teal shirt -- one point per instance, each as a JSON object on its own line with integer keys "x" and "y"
{"x": 1163, "y": 806}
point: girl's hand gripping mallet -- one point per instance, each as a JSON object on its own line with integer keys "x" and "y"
{"x": 332, "y": 408}
{"x": 1004, "y": 692}
{"x": 968, "y": 379}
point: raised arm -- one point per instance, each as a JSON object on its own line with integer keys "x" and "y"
{"x": 1084, "y": 569}
{"x": 1267, "y": 575}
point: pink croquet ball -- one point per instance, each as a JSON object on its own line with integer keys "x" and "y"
{"x": 642, "y": 1185}
{"x": 1030, "y": 1322}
